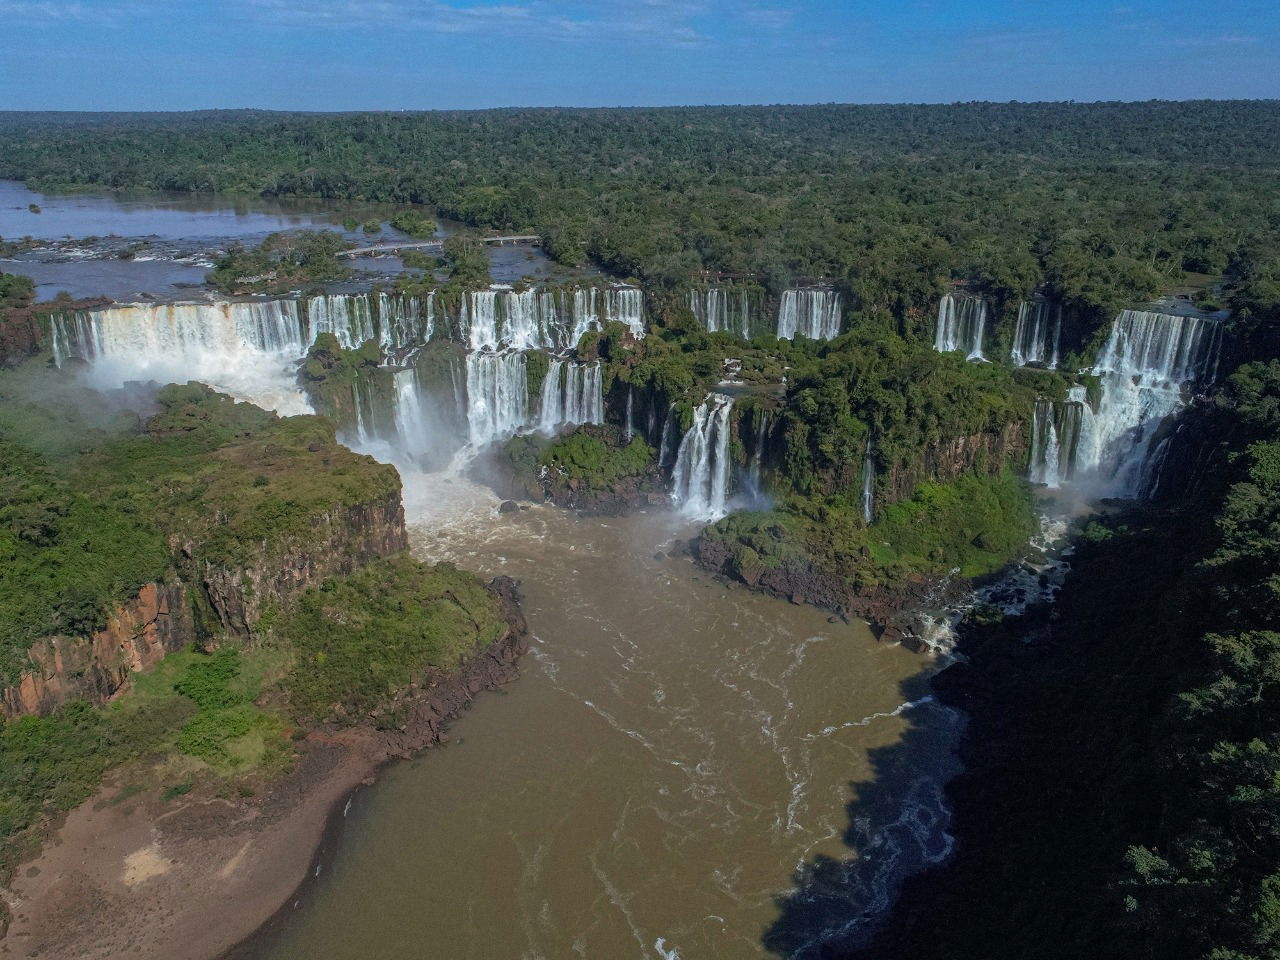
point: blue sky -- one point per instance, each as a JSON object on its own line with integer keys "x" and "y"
{"x": 425, "y": 54}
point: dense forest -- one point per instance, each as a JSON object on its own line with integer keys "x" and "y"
{"x": 1120, "y": 793}
{"x": 1107, "y": 203}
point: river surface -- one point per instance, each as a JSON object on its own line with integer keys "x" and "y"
{"x": 672, "y": 754}
{"x": 684, "y": 770}
{"x": 184, "y": 234}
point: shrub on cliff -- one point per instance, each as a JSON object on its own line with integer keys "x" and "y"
{"x": 359, "y": 639}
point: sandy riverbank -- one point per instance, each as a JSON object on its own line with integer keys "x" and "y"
{"x": 188, "y": 880}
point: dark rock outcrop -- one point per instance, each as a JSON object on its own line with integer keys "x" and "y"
{"x": 351, "y": 537}
{"x": 982, "y": 453}
{"x": 889, "y": 608}
{"x": 422, "y": 711}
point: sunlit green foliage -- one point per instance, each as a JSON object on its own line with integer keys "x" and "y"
{"x": 281, "y": 262}
{"x": 362, "y": 638}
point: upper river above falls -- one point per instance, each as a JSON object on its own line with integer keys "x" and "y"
{"x": 184, "y": 235}
{"x": 673, "y": 752}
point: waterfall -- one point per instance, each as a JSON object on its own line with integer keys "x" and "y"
{"x": 868, "y": 484}
{"x": 626, "y": 305}
{"x": 363, "y": 434}
{"x": 701, "y": 475}
{"x": 809, "y": 313}
{"x": 1056, "y": 432}
{"x": 497, "y": 396}
{"x": 404, "y": 324}
{"x": 480, "y": 319}
{"x": 245, "y": 348}
{"x": 1033, "y": 341}
{"x": 411, "y": 426}
{"x": 1051, "y": 473}
{"x": 755, "y": 464}
{"x": 665, "y": 445}
{"x": 536, "y": 319}
{"x": 719, "y": 309}
{"x": 1149, "y": 362}
{"x": 961, "y": 323}
{"x": 552, "y": 413}
{"x": 630, "y": 429}
{"x": 572, "y": 393}
{"x": 346, "y": 316}
{"x": 586, "y": 315}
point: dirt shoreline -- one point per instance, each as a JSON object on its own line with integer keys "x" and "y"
{"x": 196, "y": 879}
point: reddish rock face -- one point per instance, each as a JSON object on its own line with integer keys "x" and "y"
{"x": 155, "y": 622}
{"x": 22, "y": 329}
{"x": 159, "y": 619}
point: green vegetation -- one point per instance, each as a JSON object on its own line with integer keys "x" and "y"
{"x": 70, "y": 554}
{"x": 886, "y": 200}
{"x": 582, "y": 455}
{"x": 93, "y": 498}
{"x": 466, "y": 263}
{"x": 361, "y": 639}
{"x": 282, "y": 262}
{"x": 193, "y": 704}
{"x": 975, "y": 524}
{"x": 16, "y": 290}
{"x": 415, "y": 224}
{"x": 1123, "y": 748}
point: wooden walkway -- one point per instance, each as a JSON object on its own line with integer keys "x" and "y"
{"x": 429, "y": 244}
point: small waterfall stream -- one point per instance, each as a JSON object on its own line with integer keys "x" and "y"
{"x": 962, "y": 322}
{"x": 1037, "y": 334}
{"x": 722, "y": 309}
{"x": 868, "y": 484}
{"x": 812, "y": 313}
{"x": 701, "y": 474}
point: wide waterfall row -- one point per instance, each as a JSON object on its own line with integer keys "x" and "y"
{"x": 700, "y": 480}
{"x": 1037, "y": 334}
{"x": 246, "y": 349}
{"x": 1150, "y": 363}
{"x": 1161, "y": 347}
{"x": 165, "y": 331}
{"x": 572, "y": 393}
{"x": 811, "y": 313}
{"x": 962, "y": 321}
{"x": 553, "y": 320}
{"x": 189, "y": 331}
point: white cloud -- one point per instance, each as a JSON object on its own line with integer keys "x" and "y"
{"x": 56, "y": 12}
{"x": 652, "y": 21}
{"x": 1222, "y": 40}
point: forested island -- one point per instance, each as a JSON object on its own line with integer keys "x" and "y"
{"x": 878, "y": 358}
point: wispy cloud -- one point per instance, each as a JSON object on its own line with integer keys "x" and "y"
{"x": 53, "y": 12}
{"x": 653, "y": 21}
{"x": 1221, "y": 40}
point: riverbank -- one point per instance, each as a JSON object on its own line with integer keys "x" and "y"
{"x": 189, "y": 877}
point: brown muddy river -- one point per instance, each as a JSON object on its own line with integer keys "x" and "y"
{"x": 683, "y": 770}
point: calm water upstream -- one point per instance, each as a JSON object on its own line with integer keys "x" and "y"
{"x": 185, "y": 235}
{"x": 648, "y": 788}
